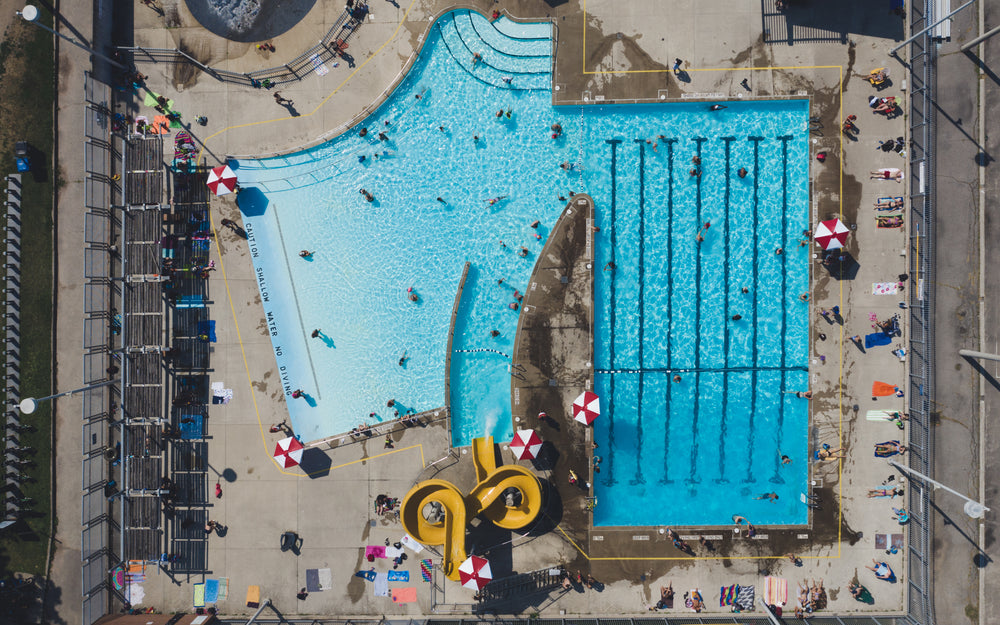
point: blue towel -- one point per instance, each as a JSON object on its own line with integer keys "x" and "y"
{"x": 369, "y": 575}
{"x": 193, "y": 430}
{"x": 207, "y": 328}
{"x": 877, "y": 338}
{"x": 211, "y": 591}
{"x": 399, "y": 576}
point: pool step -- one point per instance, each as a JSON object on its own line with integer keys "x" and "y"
{"x": 493, "y": 68}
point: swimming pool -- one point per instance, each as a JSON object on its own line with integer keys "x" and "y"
{"x": 669, "y": 305}
{"x": 367, "y": 254}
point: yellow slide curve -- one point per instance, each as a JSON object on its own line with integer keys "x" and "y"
{"x": 486, "y": 498}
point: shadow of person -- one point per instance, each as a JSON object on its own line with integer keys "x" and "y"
{"x": 290, "y": 107}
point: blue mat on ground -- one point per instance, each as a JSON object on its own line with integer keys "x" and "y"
{"x": 399, "y": 576}
{"x": 312, "y": 580}
{"x": 877, "y": 338}
{"x": 194, "y": 429}
{"x": 207, "y": 328}
{"x": 369, "y": 575}
{"x": 211, "y": 591}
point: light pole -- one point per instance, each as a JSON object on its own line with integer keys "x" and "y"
{"x": 972, "y": 508}
{"x": 30, "y": 14}
{"x": 29, "y": 404}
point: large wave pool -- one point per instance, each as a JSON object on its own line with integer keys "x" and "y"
{"x": 446, "y": 154}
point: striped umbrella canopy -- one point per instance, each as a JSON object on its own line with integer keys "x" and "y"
{"x": 221, "y": 180}
{"x": 831, "y": 234}
{"x": 526, "y": 444}
{"x": 288, "y": 452}
{"x": 475, "y": 573}
{"x": 587, "y": 407}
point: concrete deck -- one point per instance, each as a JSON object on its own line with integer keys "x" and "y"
{"x": 621, "y": 52}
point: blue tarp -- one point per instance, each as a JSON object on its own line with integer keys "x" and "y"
{"x": 194, "y": 429}
{"x": 877, "y": 338}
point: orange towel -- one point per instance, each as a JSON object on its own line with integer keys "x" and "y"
{"x": 404, "y": 595}
{"x": 253, "y": 597}
{"x": 883, "y": 389}
{"x": 161, "y": 124}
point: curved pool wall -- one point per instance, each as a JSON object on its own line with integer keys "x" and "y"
{"x": 367, "y": 254}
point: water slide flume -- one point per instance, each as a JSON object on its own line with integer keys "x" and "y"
{"x": 487, "y": 498}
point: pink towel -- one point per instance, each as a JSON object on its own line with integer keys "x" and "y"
{"x": 404, "y": 595}
{"x": 374, "y": 551}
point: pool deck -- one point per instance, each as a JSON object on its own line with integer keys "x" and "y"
{"x": 618, "y": 52}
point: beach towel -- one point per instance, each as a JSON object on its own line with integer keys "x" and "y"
{"x": 374, "y": 551}
{"x": 889, "y": 173}
{"x": 897, "y": 541}
{"x": 211, "y": 591}
{"x": 889, "y": 221}
{"x": 207, "y": 328}
{"x": 410, "y": 543}
{"x": 253, "y": 597}
{"x": 223, "y": 588}
{"x": 404, "y": 595}
{"x": 883, "y": 389}
{"x": 393, "y": 552}
{"x": 199, "y": 596}
{"x": 882, "y": 415}
{"x": 381, "y": 586}
{"x": 877, "y": 339}
{"x": 745, "y": 598}
{"x": 775, "y": 590}
{"x": 727, "y": 595}
{"x": 368, "y": 575}
{"x": 160, "y": 125}
{"x": 881, "y": 541}
{"x": 134, "y": 594}
{"x": 885, "y": 203}
{"x": 321, "y": 70}
{"x": 425, "y": 569}
{"x": 399, "y": 576}
{"x": 312, "y": 580}
{"x": 885, "y": 288}
{"x": 151, "y": 100}
{"x": 325, "y": 579}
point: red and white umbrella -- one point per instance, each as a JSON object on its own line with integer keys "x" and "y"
{"x": 222, "y": 180}
{"x": 288, "y": 453}
{"x": 475, "y": 573}
{"x": 831, "y": 234}
{"x": 586, "y": 408}
{"x": 526, "y": 444}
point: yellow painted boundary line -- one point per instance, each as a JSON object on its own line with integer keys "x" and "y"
{"x": 225, "y": 279}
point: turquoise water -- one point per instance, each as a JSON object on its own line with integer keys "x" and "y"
{"x": 653, "y": 314}
{"x": 708, "y": 445}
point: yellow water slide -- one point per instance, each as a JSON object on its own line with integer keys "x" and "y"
{"x": 449, "y": 532}
{"x": 486, "y": 498}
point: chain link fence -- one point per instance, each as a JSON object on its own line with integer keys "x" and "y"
{"x": 99, "y": 190}
{"x": 923, "y": 52}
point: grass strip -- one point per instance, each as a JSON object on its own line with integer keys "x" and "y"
{"x": 27, "y": 75}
